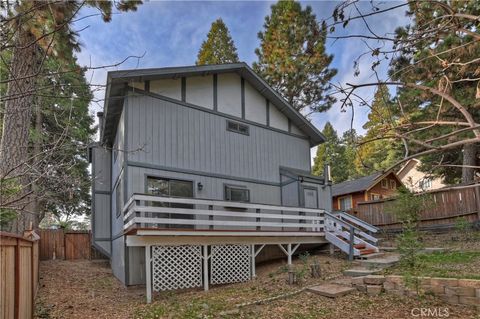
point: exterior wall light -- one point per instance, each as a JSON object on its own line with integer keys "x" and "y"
{"x": 199, "y": 186}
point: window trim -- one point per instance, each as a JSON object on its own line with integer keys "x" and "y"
{"x": 118, "y": 187}
{"x": 386, "y": 183}
{"x": 147, "y": 176}
{"x": 393, "y": 183}
{"x": 342, "y": 197}
{"x": 247, "y": 133}
{"x": 238, "y": 187}
{"x": 375, "y": 194}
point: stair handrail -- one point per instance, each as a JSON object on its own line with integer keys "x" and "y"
{"x": 358, "y": 221}
{"x": 351, "y": 230}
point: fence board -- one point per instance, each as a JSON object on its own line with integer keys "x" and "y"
{"x": 67, "y": 244}
{"x": 448, "y": 205}
{"x": 77, "y": 246}
{"x": 18, "y": 275}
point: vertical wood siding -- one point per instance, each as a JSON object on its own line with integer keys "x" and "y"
{"x": 172, "y": 135}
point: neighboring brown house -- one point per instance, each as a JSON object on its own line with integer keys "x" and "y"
{"x": 348, "y": 194}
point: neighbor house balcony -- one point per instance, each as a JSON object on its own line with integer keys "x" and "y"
{"x": 167, "y": 216}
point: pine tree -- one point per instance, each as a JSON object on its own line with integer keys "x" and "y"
{"x": 219, "y": 47}
{"x": 34, "y": 31}
{"x": 292, "y": 58}
{"x": 331, "y": 152}
{"x": 379, "y": 149}
{"x": 441, "y": 60}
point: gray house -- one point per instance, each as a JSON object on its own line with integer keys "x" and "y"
{"x": 197, "y": 169}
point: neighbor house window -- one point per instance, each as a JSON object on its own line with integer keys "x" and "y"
{"x": 238, "y": 127}
{"x": 425, "y": 183}
{"x": 384, "y": 183}
{"x": 345, "y": 203}
{"x": 393, "y": 184}
{"x": 237, "y": 193}
{"x": 119, "y": 197}
{"x": 374, "y": 197}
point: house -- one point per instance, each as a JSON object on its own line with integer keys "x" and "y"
{"x": 418, "y": 181}
{"x": 347, "y": 195}
{"x": 197, "y": 169}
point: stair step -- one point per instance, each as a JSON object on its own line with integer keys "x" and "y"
{"x": 360, "y": 246}
{"x": 370, "y": 256}
{"x": 367, "y": 251}
{"x": 361, "y": 271}
{"x": 331, "y": 290}
{"x": 381, "y": 262}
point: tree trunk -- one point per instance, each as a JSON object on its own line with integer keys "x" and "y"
{"x": 36, "y": 205}
{"x": 14, "y": 142}
{"x": 469, "y": 160}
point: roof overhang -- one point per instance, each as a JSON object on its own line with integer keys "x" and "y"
{"x": 117, "y": 89}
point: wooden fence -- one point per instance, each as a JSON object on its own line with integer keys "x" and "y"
{"x": 18, "y": 275}
{"x": 449, "y": 204}
{"x": 65, "y": 244}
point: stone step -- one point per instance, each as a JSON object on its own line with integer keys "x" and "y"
{"x": 371, "y": 256}
{"x": 382, "y": 262}
{"x": 361, "y": 271}
{"x": 331, "y": 290}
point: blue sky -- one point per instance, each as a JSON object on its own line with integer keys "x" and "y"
{"x": 170, "y": 34}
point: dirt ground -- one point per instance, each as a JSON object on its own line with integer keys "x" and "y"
{"x": 86, "y": 289}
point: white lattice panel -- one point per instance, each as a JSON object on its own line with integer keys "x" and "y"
{"x": 176, "y": 267}
{"x": 230, "y": 263}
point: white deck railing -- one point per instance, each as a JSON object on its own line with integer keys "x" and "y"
{"x": 148, "y": 211}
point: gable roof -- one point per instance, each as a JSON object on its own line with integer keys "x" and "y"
{"x": 356, "y": 185}
{"x": 361, "y": 184}
{"x": 407, "y": 167}
{"x": 117, "y": 85}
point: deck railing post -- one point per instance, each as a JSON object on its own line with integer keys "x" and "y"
{"x": 351, "y": 242}
{"x": 252, "y": 252}
{"x": 205, "y": 267}
{"x": 148, "y": 272}
{"x": 289, "y": 250}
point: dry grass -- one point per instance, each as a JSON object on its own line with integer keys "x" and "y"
{"x": 86, "y": 289}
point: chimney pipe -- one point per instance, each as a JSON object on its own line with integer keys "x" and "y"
{"x": 100, "y": 125}
{"x": 327, "y": 174}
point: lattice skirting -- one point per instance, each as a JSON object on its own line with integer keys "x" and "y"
{"x": 230, "y": 263}
{"x": 176, "y": 267}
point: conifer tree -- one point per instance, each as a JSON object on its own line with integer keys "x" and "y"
{"x": 219, "y": 47}
{"x": 375, "y": 154}
{"x": 292, "y": 58}
{"x": 331, "y": 152}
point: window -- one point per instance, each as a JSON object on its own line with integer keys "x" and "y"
{"x": 384, "y": 183}
{"x": 393, "y": 184}
{"x": 237, "y": 128}
{"x": 345, "y": 203}
{"x": 172, "y": 188}
{"x": 374, "y": 197}
{"x": 237, "y": 193}
{"x": 119, "y": 197}
{"x": 425, "y": 183}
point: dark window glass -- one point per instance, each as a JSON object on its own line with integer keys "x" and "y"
{"x": 238, "y": 128}
{"x": 119, "y": 197}
{"x": 237, "y": 194}
{"x": 171, "y": 188}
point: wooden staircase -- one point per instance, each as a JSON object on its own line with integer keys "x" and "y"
{"x": 351, "y": 235}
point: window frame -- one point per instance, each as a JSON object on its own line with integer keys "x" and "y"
{"x": 238, "y": 129}
{"x": 382, "y": 183}
{"x": 339, "y": 201}
{"x": 393, "y": 184}
{"x": 119, "y": 197}
{"x": 229, "y": 187}
{"x": 375, "y": 194}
